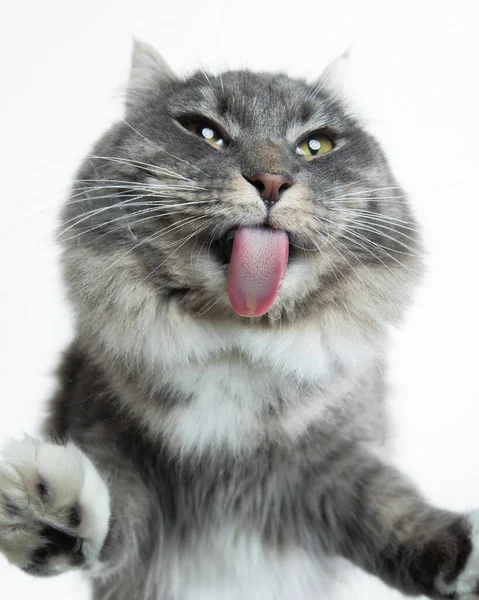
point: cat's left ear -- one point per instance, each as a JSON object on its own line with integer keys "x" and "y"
{"x": 337, "y": 79}
{"x": 337, "y": 76}
{"x": 342, "y": 81}
{"x": 148, "y": 70}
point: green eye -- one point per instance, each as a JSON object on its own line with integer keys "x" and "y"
{"x": 208, "y": 132}
{"x": 314, "y": 145}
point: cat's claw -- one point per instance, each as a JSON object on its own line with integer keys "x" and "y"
{"x": 54, "y": 507}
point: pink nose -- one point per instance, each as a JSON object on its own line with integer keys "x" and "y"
{"x": 269, "y": 186}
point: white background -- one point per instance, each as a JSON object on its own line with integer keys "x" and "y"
{"x": 63, "y": 65}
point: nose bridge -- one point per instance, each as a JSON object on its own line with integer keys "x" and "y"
{"x": 265, "y": 156}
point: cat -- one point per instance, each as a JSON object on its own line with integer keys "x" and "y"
{"x": 236, "y": 250}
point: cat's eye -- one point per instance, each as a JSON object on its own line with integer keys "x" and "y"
{"x": 314, "y": 145}
{"x": 206, "y": 131}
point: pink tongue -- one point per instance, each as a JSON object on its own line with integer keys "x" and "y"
{"x": 257, "y": 268}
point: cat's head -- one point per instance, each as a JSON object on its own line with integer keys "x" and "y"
{"x": 250, "y": 197}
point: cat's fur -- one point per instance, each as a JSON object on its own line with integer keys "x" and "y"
{"x": 195, "y": 454}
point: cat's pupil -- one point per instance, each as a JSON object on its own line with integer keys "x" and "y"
{"x": 314, "y": 146}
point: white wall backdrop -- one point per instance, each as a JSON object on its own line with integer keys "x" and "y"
{"x": 63, "y": 65}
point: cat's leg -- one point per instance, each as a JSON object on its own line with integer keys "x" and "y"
{"x": 370, "y": 514}
{"x": 57, "y": 512}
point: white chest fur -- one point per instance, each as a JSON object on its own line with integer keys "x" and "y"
{"x": 235, "y": 405}
{"x": 225, "y": 406}
{"x": 176, "y": 340}
{"x": 232, "y": 376}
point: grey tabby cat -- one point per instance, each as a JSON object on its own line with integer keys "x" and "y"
{"x": 235, "y": 251}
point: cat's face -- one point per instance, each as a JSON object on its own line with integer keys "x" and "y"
{"x": 243, "y": 194}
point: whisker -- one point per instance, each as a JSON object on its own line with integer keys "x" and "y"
{"x": 198, "y": 254}
{"x": 377, "y": 217}
{"x": 377, "y": 285}
{"x": 340, "y": 187}
{"x": 209, "y": 305}
{"x": 183, "y": 242}
{"x": 151, "y": 143}
{"x": 364, "y": 226}
{"x": 358, "y": 259}
{"x": 382, "y": 199}
{"x": 376, "y": 189}
{"x": 323, "y": 254}
{"x": 126, "y": 183}
{"x": 333, "y": 246}
{"x": 109, "y": 222}
{"x": 156, "y": 234}
{"x": 381, "y": 249}
{"x": 89, "y": 216}
{"x": 347, "y": 262}
{"x": 139, "y": 164}
{"x": 74, "y": 198}
{"x": 158, "y": 191}
{"x": 129, "y": 216}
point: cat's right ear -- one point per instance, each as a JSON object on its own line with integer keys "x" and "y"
{"x": 148, "y": 70}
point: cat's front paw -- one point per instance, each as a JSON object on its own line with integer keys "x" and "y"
{"x": 54, "y": 507}
{"x": 466, "y": 585}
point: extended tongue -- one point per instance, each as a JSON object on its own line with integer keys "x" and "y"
{"x": 257, "y": 268}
